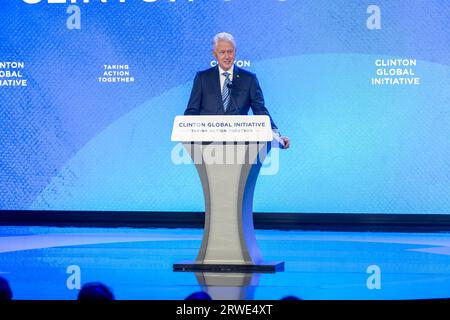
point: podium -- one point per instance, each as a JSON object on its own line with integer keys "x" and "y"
{"x": 228, "y": 153}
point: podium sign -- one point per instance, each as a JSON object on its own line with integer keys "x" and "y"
{"x": 229, "y": 243}
{"x": 220, "y": 128}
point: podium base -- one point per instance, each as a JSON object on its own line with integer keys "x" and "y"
{"x": 192, "y": 266}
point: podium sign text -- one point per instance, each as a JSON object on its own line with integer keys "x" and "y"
{"x": 220, "y": 128}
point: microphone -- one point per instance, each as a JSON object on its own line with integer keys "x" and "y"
{"x": 230, "y": 85}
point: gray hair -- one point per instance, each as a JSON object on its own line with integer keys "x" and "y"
{"x": 223, "y": 36}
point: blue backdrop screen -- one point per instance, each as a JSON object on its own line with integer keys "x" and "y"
{"x": 88, "y": 93}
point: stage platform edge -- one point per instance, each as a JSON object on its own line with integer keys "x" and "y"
{"x": 264, "y": 267}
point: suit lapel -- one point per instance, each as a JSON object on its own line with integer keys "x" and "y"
{"x": 236, "y": 76}
{"x": 235, "y": 89}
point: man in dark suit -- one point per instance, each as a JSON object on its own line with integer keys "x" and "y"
{"x": 226, "y": 89}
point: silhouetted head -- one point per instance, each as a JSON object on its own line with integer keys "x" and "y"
{"x": 5, "y": 290}
{"x": 199, "y": 295}
{"x": 95, "y": 291}
{"x": 290, "y": 297}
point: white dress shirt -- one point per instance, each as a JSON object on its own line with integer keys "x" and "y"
{"x": 222, "y": 77}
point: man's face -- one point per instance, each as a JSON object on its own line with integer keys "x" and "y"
{"x": 224, "y": 53}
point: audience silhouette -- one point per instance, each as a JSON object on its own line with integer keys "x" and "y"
{"x": 5, "y": 290}
{"x": 199, "y": 295}
{"x": 98, "y": 291}
{"x": 290, "y": 297}
{"x": 95, "y": 291}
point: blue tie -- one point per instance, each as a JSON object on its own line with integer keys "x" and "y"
{"x": 226, "y": 91}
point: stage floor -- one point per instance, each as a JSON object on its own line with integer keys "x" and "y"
{"x": 43, "y": 263}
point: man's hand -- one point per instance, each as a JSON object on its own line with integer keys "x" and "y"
{"x": 286, "y": 141}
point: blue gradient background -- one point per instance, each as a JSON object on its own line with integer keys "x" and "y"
{"x": 69, "y": 142}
